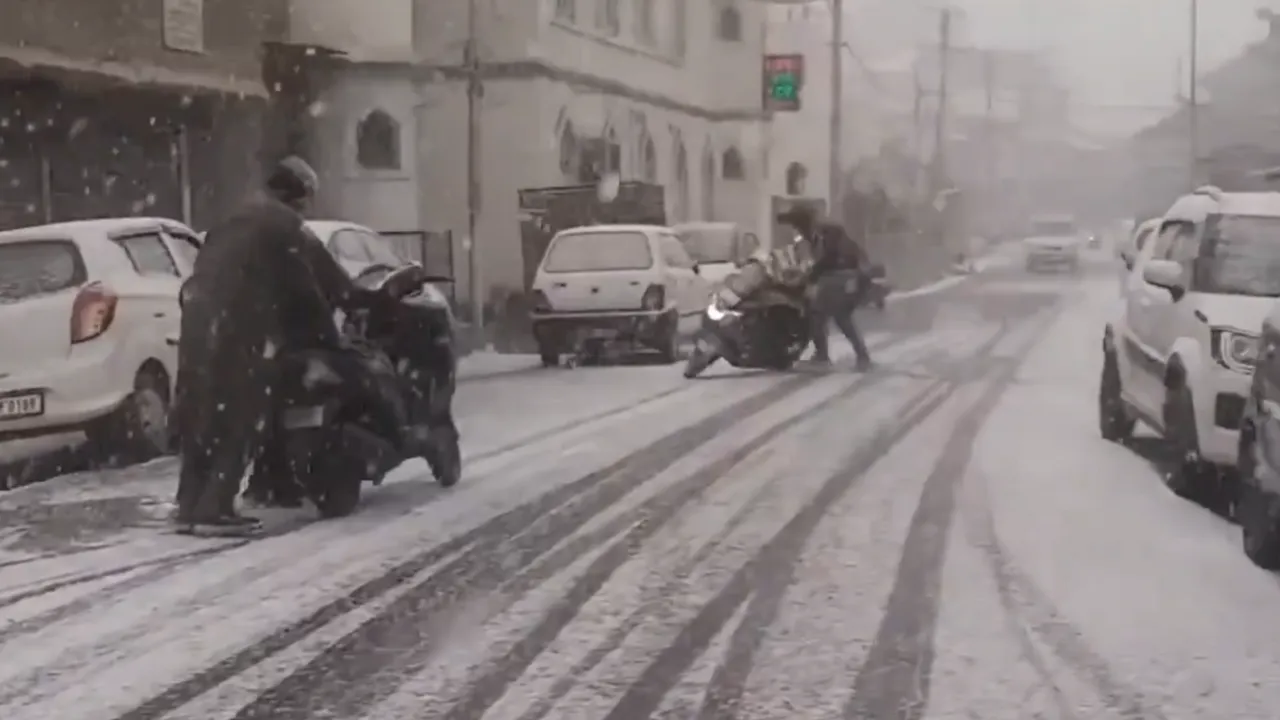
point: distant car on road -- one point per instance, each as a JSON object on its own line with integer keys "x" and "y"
{"x": 717, "y": 247}
{"x": 1054, "y": 242}
{"x": 616, "y": 283}
{"x": 90, "y": 315}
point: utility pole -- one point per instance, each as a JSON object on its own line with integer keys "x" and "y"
{"x": 475, "y": 91}
{"x": 991, "y": 144}
{"x": 1193, "y": 110}
{"x": 940, "y": 121}
{"x": 837, "y": 106}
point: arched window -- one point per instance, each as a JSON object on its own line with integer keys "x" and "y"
{"x": 378, "y": 142}
{"x": 797, "y": 178}
{"x": 709, "y": 184}
{"x": 681, "y": 206}
{"x": 612, "y": 152}
{"x": 731, "y": 165}
{"x": 649, "y": 160}
{"x": 729, "y": 25}
{"x": 568, "y": 150}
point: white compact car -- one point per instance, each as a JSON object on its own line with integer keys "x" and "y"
{"x": 1054, "y": 242}
{"x": 1180, "y": 354}
{"x": 611, "y": 283}
{"x": 90, "y": 319}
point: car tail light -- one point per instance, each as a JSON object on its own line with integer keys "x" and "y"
{"x": 541, "y": 303}
{"x": 655, "y": 298}
{"x": 92, "y": 312}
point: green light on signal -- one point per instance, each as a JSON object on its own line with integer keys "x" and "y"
{"x": 784, "y": 86}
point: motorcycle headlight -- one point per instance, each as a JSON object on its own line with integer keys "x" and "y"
{"x": 1235, "y": 350}
{"x": 715, "y": 311}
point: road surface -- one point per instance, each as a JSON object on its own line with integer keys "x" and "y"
{"x": 946, "y": 537}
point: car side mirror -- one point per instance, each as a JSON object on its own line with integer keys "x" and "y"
{"x": 697, "y": 269}
{"x": 184, "y": 292}
{"x": 1166, "y": 274}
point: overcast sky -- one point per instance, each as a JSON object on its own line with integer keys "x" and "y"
{"x": 1118, "y": 54}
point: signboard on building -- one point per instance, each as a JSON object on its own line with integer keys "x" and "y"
{"x": 783, "y": 79}
{"x": 184, "y": 25}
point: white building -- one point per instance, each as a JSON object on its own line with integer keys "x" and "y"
{"x": 671, "y": 88}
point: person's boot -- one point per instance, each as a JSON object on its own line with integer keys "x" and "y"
{"x": 230, "y": 525}
{"x": 864, "y": 364}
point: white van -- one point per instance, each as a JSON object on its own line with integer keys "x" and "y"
{"x": 717, "y": 247}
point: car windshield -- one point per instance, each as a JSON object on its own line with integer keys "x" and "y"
{"x": 1053, "y": 228}
{"x": 28, "y": 269}
{"x": 383, "y": 253}
{"x": 709, "y": 244}
{"x": 598, "y": 251}
{"x": 1240, "y": 255}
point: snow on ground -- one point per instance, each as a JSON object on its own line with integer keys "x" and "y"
{"x": 1078, "y": 584}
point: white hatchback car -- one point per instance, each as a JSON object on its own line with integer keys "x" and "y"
{"x": 1180, "y": 354}
{"x": 90, "y": 316}
{"x": 630, "y": 283}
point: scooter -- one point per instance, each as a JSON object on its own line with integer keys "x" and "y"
{"x": 336, "y": 439}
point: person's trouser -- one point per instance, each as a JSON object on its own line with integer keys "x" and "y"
{"x": 835, "y": 298}
{"x": 215, "y": 455}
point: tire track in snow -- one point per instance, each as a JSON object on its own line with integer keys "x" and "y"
{"x": 609, "y": 482}
{"x": 764, "y": 579}
{"x": 649, "y": 518}
{"x": 1035, "y": 614}
{"x": 164, "y": 567}
{"x": 895, "y": 677}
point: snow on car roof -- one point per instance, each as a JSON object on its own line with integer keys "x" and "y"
{"x": 614, "y": 228}
{"x": 81, "y": 229}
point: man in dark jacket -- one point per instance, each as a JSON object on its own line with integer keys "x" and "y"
{"x": 837, "y": 281}
{"x": 261, "y": 284}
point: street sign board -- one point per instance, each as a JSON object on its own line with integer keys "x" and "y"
{"x": 783, "y": 80}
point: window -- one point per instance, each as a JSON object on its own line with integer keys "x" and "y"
{"x": 567, "y": 10}
{"x": 381, "y": 251}
{"x": 598, "y": 251}
{"x": 710, "y": 244}
{"x": 646, "y": 23}
{"x": 797, "y": 178}
{"x": 348, "y": 245}
{"x": 1169, "y": 234}
{"x": 149, "y": 254}
{"x": 39, "y": 267}
{"x": 680, "y": 27}
{"x": 708, "y": 184}
{"x": 609, "y": 17}
{"x": 1240, "y": 255}
{"x": 729, "y": 25}
{"x": 681, "y": 207}
{"x": 731, "y": 165}
{"x": 568, "y": 150}
{"x": 1054, "y": 227}
{"x": 649, "y": 160}
{"x": 673, "y": 253}
{"x": 185, "y": 246}
{"x": 378, "y": 142}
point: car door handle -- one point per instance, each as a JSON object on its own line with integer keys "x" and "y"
{"x": 171, "y": 340}
{"x": 559, "y": 285}
{"x": 160, "y": 315}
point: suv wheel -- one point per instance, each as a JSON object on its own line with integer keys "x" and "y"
{"x": 1115, "y": 421}
{"x": 1255, "y": 510}
{"x": 1189, "y": 475}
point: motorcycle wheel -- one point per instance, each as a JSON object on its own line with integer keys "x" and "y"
{"x": 339, "y": 498}
{"x": 699, "y": 360}
{"x": 445, "y": 458}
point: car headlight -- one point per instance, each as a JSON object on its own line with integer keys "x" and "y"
{"x": 1235, "y": 350}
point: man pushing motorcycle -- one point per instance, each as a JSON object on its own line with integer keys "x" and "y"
{"x": 836, "y": 284}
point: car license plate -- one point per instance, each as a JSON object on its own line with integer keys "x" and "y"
{"x": 25, "y": 405}
{"x": 304, "y": 417}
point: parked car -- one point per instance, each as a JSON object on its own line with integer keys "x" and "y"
{"x": 717, "y": 247}
{"x": 1180, "y": 354}
{"x": 1054, "y": 242}
{"x": 90, "y": 314}
{"x": 633, "y": 284}
{"x": 359, "y": 250}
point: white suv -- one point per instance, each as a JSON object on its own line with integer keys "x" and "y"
{"x": 90, "y": 319}
{"x": 1180, "y": 354}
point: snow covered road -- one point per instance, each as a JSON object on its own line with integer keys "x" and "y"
{"x": 946, "y": 537}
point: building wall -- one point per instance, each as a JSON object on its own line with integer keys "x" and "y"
{"x": 130, "y": 32}
{"x": 542, "y": 74}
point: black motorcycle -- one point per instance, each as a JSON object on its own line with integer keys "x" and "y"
{"x": 767, "y": 330}
{"x": 335, "y": 438}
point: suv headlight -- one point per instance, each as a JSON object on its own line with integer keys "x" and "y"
{"x": 1235, "y": 350}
